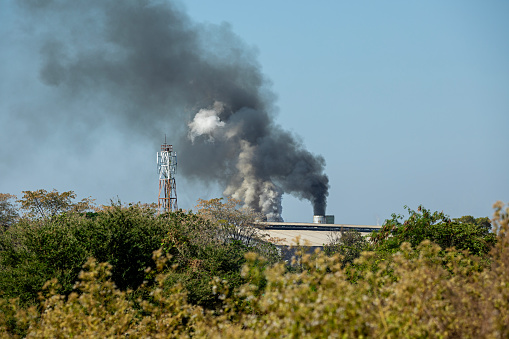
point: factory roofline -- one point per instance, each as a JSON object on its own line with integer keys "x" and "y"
{"x": 275, "y": 225}
{"x": 310, "y": 234}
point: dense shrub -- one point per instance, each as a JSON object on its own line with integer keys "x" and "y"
{"x": 199, "y": 252}
{"x": 348, "y": 244}
{"x": 8, "y": 212}
{"x": 463, "y": 234}
{"x": 34, "y": 251}
{"x": 202, "y": 283}
{"x": 426, "y": 300}
{"x": 126, "y": 238}
{"x": 466, "y": 233}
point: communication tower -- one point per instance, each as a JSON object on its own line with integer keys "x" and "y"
{"x": 167, "y": 168}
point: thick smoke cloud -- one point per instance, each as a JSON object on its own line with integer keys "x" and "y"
{"x": 158, "y": 70}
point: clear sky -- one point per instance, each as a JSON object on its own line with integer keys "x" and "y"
{"x": 407, "y": 101}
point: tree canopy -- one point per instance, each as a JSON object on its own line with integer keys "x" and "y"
{"x": 187, "y": 274}
{"x": 44, "y": 204}
{"x": 8, "y": 213}
{"x": 465, "y": 233}
{"x": 235, "y": 222}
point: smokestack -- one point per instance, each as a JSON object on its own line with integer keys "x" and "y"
{"x": 319, "y": 219}
{"x": 147, "y": 62}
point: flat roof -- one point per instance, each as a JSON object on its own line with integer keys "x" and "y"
{"x": 315, "y": 226}
{"x": 307, "y": 237}
{"x": 285, "y": 233}
{"x": 286, "y": 223}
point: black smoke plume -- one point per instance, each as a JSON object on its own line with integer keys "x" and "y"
{"x": 152, "y": 64}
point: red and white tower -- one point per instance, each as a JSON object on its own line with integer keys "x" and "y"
{"x": 167, "y": 168}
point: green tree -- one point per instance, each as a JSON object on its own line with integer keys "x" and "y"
{"x": 32, "y": 251}
{"x": 201, "y": 249}
{"x": 425, "y": 299}
{"x": 347, "y": 243}
{"x": 465, "y": 233}
{"x": 235, "y": 222}
{"x": 44, "y": 204}
{"x": 8, "y": 213}
{"x": 125, "y": 237}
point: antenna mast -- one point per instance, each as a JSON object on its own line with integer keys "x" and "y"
{"x": 167, "y": 169}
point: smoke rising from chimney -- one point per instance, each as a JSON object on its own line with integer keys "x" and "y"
{"x": 151, "y": 63}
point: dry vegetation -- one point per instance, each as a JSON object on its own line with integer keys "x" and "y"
{"x": 416, "y": 291}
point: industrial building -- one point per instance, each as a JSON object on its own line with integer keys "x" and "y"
{"x": 316, "y": 234}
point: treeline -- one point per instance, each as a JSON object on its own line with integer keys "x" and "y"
{"x": 69, "y": 268}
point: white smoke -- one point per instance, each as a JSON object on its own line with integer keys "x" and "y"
{"x": 206, "y": 122}
{"x": 247, "y": 186}
{"x": 270, "y": 201}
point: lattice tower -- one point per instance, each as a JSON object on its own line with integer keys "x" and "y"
{"x": 167, "y": 168}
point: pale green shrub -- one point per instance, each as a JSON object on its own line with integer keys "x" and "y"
{"x": 420, "y": 298}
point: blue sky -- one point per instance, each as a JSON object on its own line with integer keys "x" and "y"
{"x": 408, "y": 102}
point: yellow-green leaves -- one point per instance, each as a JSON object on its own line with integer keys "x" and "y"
{"x": 44, "y": 204}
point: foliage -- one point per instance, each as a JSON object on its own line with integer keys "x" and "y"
{"x": 483, "y": 223}
{"x": 44, "y": 204}
{"x": 466, "y": 233}
{"x": 199, "y": 253}
{"x": 35, "y": 251}
{"x": 202, "y": 283}
{"x": 98, "y": 309}
{"x": 125, "y": 237}
{"x": 8, "y": 213}
{"x": 426, "y": 300}
{"x": 348, "y": 244}
{"x": 235, "y": 222}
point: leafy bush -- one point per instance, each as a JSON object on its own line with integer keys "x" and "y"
{"x": 198, "y": 253}
{"x": 44, "y": 204}
{"x": 426, "y": 300}
{"x": 126, "y": 238}
{"x": 466, "y": 233}
{"x": 414, "y": 290}
{"x": 212, "y": 244}
{"x": 348, "y": 244}
{"x": 8, "y": 213}
{"x": 462, "y": 234}
{"x": 34, "y": 251}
